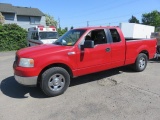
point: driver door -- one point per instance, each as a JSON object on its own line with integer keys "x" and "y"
{"x": 97, "y": 58}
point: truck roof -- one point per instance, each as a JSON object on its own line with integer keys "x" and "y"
{"x": 100, "y": 27}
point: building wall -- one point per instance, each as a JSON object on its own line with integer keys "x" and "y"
{"x": 30, "y": 21}
{"x": 43, "y": 20}
{"x": 24, "y": 21}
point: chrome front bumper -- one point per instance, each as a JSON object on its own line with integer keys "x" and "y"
{"x": 28, "y": 81}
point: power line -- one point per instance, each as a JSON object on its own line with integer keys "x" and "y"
{"x": 115, "y": 17}
{"x": 106, "y": 8}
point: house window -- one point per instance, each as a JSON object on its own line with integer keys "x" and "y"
{"x": 23, "y": 18}
{"x": 8, "y": 16}
{"x": 35, "y": 20}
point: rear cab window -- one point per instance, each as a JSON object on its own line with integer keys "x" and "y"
{"x": 115, "y": 36}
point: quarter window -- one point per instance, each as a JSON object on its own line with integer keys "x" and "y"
{"x": 115, "y": 35}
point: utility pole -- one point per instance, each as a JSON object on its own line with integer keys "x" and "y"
{"x": 87, "y": 23}
{"x": 59, "y": 22}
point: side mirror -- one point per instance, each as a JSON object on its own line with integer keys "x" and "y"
{"x": 88, "y": 44}
{"x": 64, "y": 42}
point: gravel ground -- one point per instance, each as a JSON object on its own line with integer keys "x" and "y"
{"x": 117, "y": 94}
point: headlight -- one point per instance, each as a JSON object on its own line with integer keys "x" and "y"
{"x": 26, "y": 62}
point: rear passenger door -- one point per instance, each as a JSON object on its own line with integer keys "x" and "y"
{"x": 117, "y": 48}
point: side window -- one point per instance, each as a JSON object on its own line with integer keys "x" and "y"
{"x": 115, "y": 35}
{"x": 34, "y": 36}
{"x": 98, "y": 36}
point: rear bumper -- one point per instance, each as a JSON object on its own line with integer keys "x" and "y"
{"x": 27, "y": 81}
{"x": 157, "y": 55}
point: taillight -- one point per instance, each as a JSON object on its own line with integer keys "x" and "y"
{"x": 40, "y": 27}
{"x": 53, "y": 28}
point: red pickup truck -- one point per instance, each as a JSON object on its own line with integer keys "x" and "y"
{"x": 79, "y": 52}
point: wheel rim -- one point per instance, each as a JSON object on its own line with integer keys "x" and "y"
{"x": 142, "y": 63}
{"x": 56, "y": 82}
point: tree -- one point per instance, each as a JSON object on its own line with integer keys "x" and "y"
{"x": 1, "y": 18}
{"x": 50, "y": 20}
{"x": 12, "y": 37}
{"x": 152, "y": 18}
{"x": 72, "y": 27}
{"x": 133, "y": 19}
{"x": 62, "y": 31}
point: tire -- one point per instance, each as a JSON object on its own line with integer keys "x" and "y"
{"x": 55, "y": 81}
{"x": 141, "y": 62}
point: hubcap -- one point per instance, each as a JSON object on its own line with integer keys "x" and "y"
{"x": 56, "y": 82}
{"x": 142, "y": 63}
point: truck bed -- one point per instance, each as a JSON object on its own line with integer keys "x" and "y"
{"x": 135, "y": 45}
{"x": 129, "y": 39}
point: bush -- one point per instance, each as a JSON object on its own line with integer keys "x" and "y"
{"x": 12, "y": 37}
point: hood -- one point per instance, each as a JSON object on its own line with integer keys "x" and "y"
{"x": 48, "y": 41}
{"x": 40, "y": 50}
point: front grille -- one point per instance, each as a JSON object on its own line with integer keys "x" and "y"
{"x": 16, "y": 59}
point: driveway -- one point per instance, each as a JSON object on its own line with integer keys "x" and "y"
{"x": 118, "y": 94}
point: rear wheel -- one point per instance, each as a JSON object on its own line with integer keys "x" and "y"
{"x": 55, "y": 81}
{"x": 141, "y": 62}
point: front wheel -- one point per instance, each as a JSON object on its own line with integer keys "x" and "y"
{"x": 55, "y": 81}
{"x": 141, "y": 62}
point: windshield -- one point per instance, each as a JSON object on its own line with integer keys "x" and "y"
{"x": 70, "y": 37}
{"x": 48, "y": 35}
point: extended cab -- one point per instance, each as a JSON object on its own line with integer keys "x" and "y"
{"x": 78, "y": 52}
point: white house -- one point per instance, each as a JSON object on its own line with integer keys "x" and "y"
{"x": 23, "y": 16}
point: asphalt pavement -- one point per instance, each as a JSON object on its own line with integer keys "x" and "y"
{"x": 117, "y": 94}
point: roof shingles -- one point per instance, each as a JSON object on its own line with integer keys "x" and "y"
{"x": 20, "y": 10}
{"x": 6, "y": 8}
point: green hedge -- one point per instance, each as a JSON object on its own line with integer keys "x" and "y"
{"x": 12, "y": 37}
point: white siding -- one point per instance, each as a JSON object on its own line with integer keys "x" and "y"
{"x": 25, "y": 21}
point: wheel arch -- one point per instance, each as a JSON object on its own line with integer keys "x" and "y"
{"x": 66, "y": 67}
{"x": 145, "y": 52}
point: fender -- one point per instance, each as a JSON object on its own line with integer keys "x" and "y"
{"x": 142, "y": 48}
{"x": 66, "y": 60}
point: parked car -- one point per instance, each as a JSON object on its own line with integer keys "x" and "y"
{"x": 157, "y": 36}
{"x": 79, "y": 52}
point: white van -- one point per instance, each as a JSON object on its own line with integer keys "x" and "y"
{"x": 41, "y": 35}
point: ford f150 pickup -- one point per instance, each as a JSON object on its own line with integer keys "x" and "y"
{"x": 79, "y": 52}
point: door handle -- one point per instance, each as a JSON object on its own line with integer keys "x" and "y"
{"x": 108, "y": 49}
